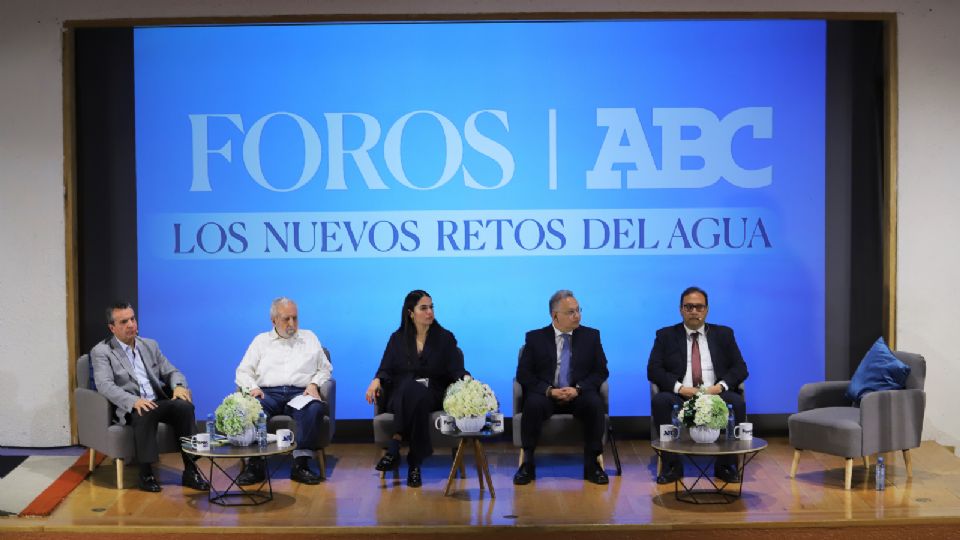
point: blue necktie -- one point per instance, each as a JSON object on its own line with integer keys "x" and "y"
{"x": 563, "y": 378}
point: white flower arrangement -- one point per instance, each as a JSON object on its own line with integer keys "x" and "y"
{"x": 469, "y": 398}
{"x": 704, "y": 410}
{"x": 236, "y": 413}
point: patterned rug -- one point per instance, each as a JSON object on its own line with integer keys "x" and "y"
{"x": 35, "y": 485}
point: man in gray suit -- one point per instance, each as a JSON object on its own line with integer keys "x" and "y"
{"x": 146, "y": 389}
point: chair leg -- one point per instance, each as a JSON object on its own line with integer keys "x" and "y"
{"x": 907, "y": 463}
{"x": 795, "y": 464}
{"x": 383, "y": 474}
{"x": 322, "y": 461}
{"x": 521, "y": 458}
{"x": 866, "y": 462}
{"x": 848, "y": 474}
{"x": 119, "y": 473}
{"x": 613, "y": 448}
{"x": 92, "y": 457}
{"x": 659, "y": 465}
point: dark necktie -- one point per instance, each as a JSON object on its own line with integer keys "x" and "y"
{"x": 563, "y": 378}
{"x": 695, "y": 359}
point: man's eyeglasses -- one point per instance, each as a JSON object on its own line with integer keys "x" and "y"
{"x": 571, "y": 312}
{"x": 694, "y": 307}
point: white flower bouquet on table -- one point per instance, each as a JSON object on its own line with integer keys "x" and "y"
{"x": 469, "y": 401}
{"x": 237, "y": 417}
{"x": 705, "y": 415}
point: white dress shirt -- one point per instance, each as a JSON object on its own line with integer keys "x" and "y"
{"x": 139, "y": 370}
{"x": 272, "y": 360}
{"x": 706, "y": 362}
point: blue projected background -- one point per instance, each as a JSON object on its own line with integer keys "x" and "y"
{"x": 491, "y": 164}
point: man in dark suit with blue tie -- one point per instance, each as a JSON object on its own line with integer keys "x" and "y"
{"x": 561, "y": 369}
{"x": 686, "y": 357}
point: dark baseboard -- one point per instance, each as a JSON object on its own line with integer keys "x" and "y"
{"x": 624, "y": 428}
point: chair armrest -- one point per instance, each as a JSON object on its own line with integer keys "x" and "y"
{"x": 823, "y": 394}
{"x": 605, "y": 396}
{"x": 892, "y": 419}
{"x": 328, "y": 391}
{"x": 94, "y": 416}
{"x": 517, "y": 397}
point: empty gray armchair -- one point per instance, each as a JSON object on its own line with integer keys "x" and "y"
{"x": 885, "y": 421}
{"x": 96, "y": 430}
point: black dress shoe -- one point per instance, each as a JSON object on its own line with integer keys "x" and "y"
{"x": 193, "y": 479}
{"x": 413, "y": 477}
{"x": 253, "y": 473}
{"x": 525, "y": 474}
{"x": 727, "y": 473}
{"x": 149, "y": 483}
{"x": 388, "y": 462}
{"x": 595, "y": 474}
{"x": 670, "y": 474}
{"x": 304, "y": 475}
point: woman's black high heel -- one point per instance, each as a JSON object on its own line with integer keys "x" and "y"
{"x": 413, "y": 477}
{"x": 388, "y": 462}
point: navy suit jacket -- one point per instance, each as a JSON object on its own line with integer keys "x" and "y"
{"x": 668, "y": 358}
{"x": 538, "y": 363}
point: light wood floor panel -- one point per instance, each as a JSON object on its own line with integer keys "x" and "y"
{"x": 354, "y": 498}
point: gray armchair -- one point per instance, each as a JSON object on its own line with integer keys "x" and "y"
{"x": 383, "y": 430}
{"x": 96, "y": 430}
{"x": 328, "y": 392}
{"x": 562, "y": 429}
{"x": 885, "y": 421}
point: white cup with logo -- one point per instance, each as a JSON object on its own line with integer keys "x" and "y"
{"x": 496, "y": 422}
{"x": 669, "y": 432}
{"x": 744, "y": 431}
{"x": 446, "y": 424}
{"x": 285, "y": 438}
{"x": 201, "y": 442}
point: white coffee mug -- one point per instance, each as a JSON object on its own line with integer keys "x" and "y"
{"x": 744, "y": 431}
{"x": 285, "y": 438}
{"x": 496, "y": 422}
{"x": 445, "y": 424}
{"x": 669, "y": 432}
{"x": 201, "y": 442}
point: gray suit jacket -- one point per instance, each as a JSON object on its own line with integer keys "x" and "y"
{"x": 115, "y": 379}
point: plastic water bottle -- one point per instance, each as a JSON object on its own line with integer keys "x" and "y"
{"x": 675, "y": 417}
{"x": 262, "y": 429}
{"x": 731, "y": 422}
{"x": 881, "y": 474}
{"x": 211, "y": 427}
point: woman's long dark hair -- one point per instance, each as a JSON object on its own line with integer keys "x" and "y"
{"x": 407, "y": 329}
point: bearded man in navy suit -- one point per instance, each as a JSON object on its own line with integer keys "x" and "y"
{"x": 686, "y": 357}
{"x": 561, "y": 369}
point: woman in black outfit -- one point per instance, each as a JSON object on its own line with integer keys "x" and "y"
{"x": 420, "y": 361}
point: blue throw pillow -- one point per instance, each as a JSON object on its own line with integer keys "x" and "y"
{"x": 879, "y": 370}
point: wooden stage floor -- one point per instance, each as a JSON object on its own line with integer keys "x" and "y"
{"x": 354, "y": 502}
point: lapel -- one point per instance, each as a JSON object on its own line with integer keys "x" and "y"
{"x": 428, "y": 345}
{"x": 577, "y": 350}
{"x": 712, "y": 346}
{"x": 681, "y": 337}
{"x": 122, "y": 358}
{"x": 550, "y": 343}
